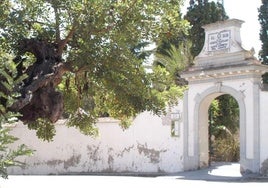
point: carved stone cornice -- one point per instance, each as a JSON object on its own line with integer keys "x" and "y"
{"x": 216, "y": 74}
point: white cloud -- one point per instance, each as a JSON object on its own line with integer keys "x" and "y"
{"x": 248, "y": 12}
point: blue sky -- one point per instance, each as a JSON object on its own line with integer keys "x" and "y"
{"x": 246, "y": 10}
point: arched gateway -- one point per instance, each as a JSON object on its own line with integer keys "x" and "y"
{"x": 224, "y": 67}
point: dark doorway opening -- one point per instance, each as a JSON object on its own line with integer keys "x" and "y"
{"x": 223, "y": 118}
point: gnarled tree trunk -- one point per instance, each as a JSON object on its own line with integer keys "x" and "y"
{"x": 39, "y": 98}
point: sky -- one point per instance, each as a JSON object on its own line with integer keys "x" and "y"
{"x": 246, "y": 10}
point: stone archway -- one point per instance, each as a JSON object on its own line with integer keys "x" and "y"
{"x": 203, "y": 102}
{"x": 224, "y": 67}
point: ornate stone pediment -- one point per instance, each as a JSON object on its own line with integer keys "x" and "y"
{"x": 223, "y": 56}
{"x": 222, "y": 45}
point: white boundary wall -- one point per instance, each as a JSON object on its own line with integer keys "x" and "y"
{"x": 146, "y": 147}
{"x": 263, "y": 133}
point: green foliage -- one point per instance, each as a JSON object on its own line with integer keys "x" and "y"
{"x": 200, "y": 13}
{"x": 227, "y": 148}
{"x": 167, "y": 67}
{"x": 228, "y": 113}
{"x": 8, "y": 81}
{"x": 175, "y": 60}
{"x": 224, "y": 126}
{"x": 263, "y": 19}
{"x": 45, "y": 130}
{"x": 8, "y": 157}
{"x": 85, "y": 122}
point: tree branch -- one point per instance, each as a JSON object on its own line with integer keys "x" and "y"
{"x": 63, "y": 43}
{"x": 57, "y": 22}
{"x": 53, "y": 78}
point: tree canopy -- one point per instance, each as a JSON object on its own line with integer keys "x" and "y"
{"x": 84, "y": 59}
{"x": 200, "y": 13}
{"x": 8, "y": 157}
{"x": 263, "y": 20}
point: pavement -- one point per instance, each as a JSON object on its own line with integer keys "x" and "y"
{"x": 218, "y": 175}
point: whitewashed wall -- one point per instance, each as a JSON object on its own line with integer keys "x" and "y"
{"x": 146, "y": 147}
{"x": 264, "y": 132}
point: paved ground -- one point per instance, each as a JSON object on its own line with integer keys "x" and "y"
{"x": 218, "y": 175}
